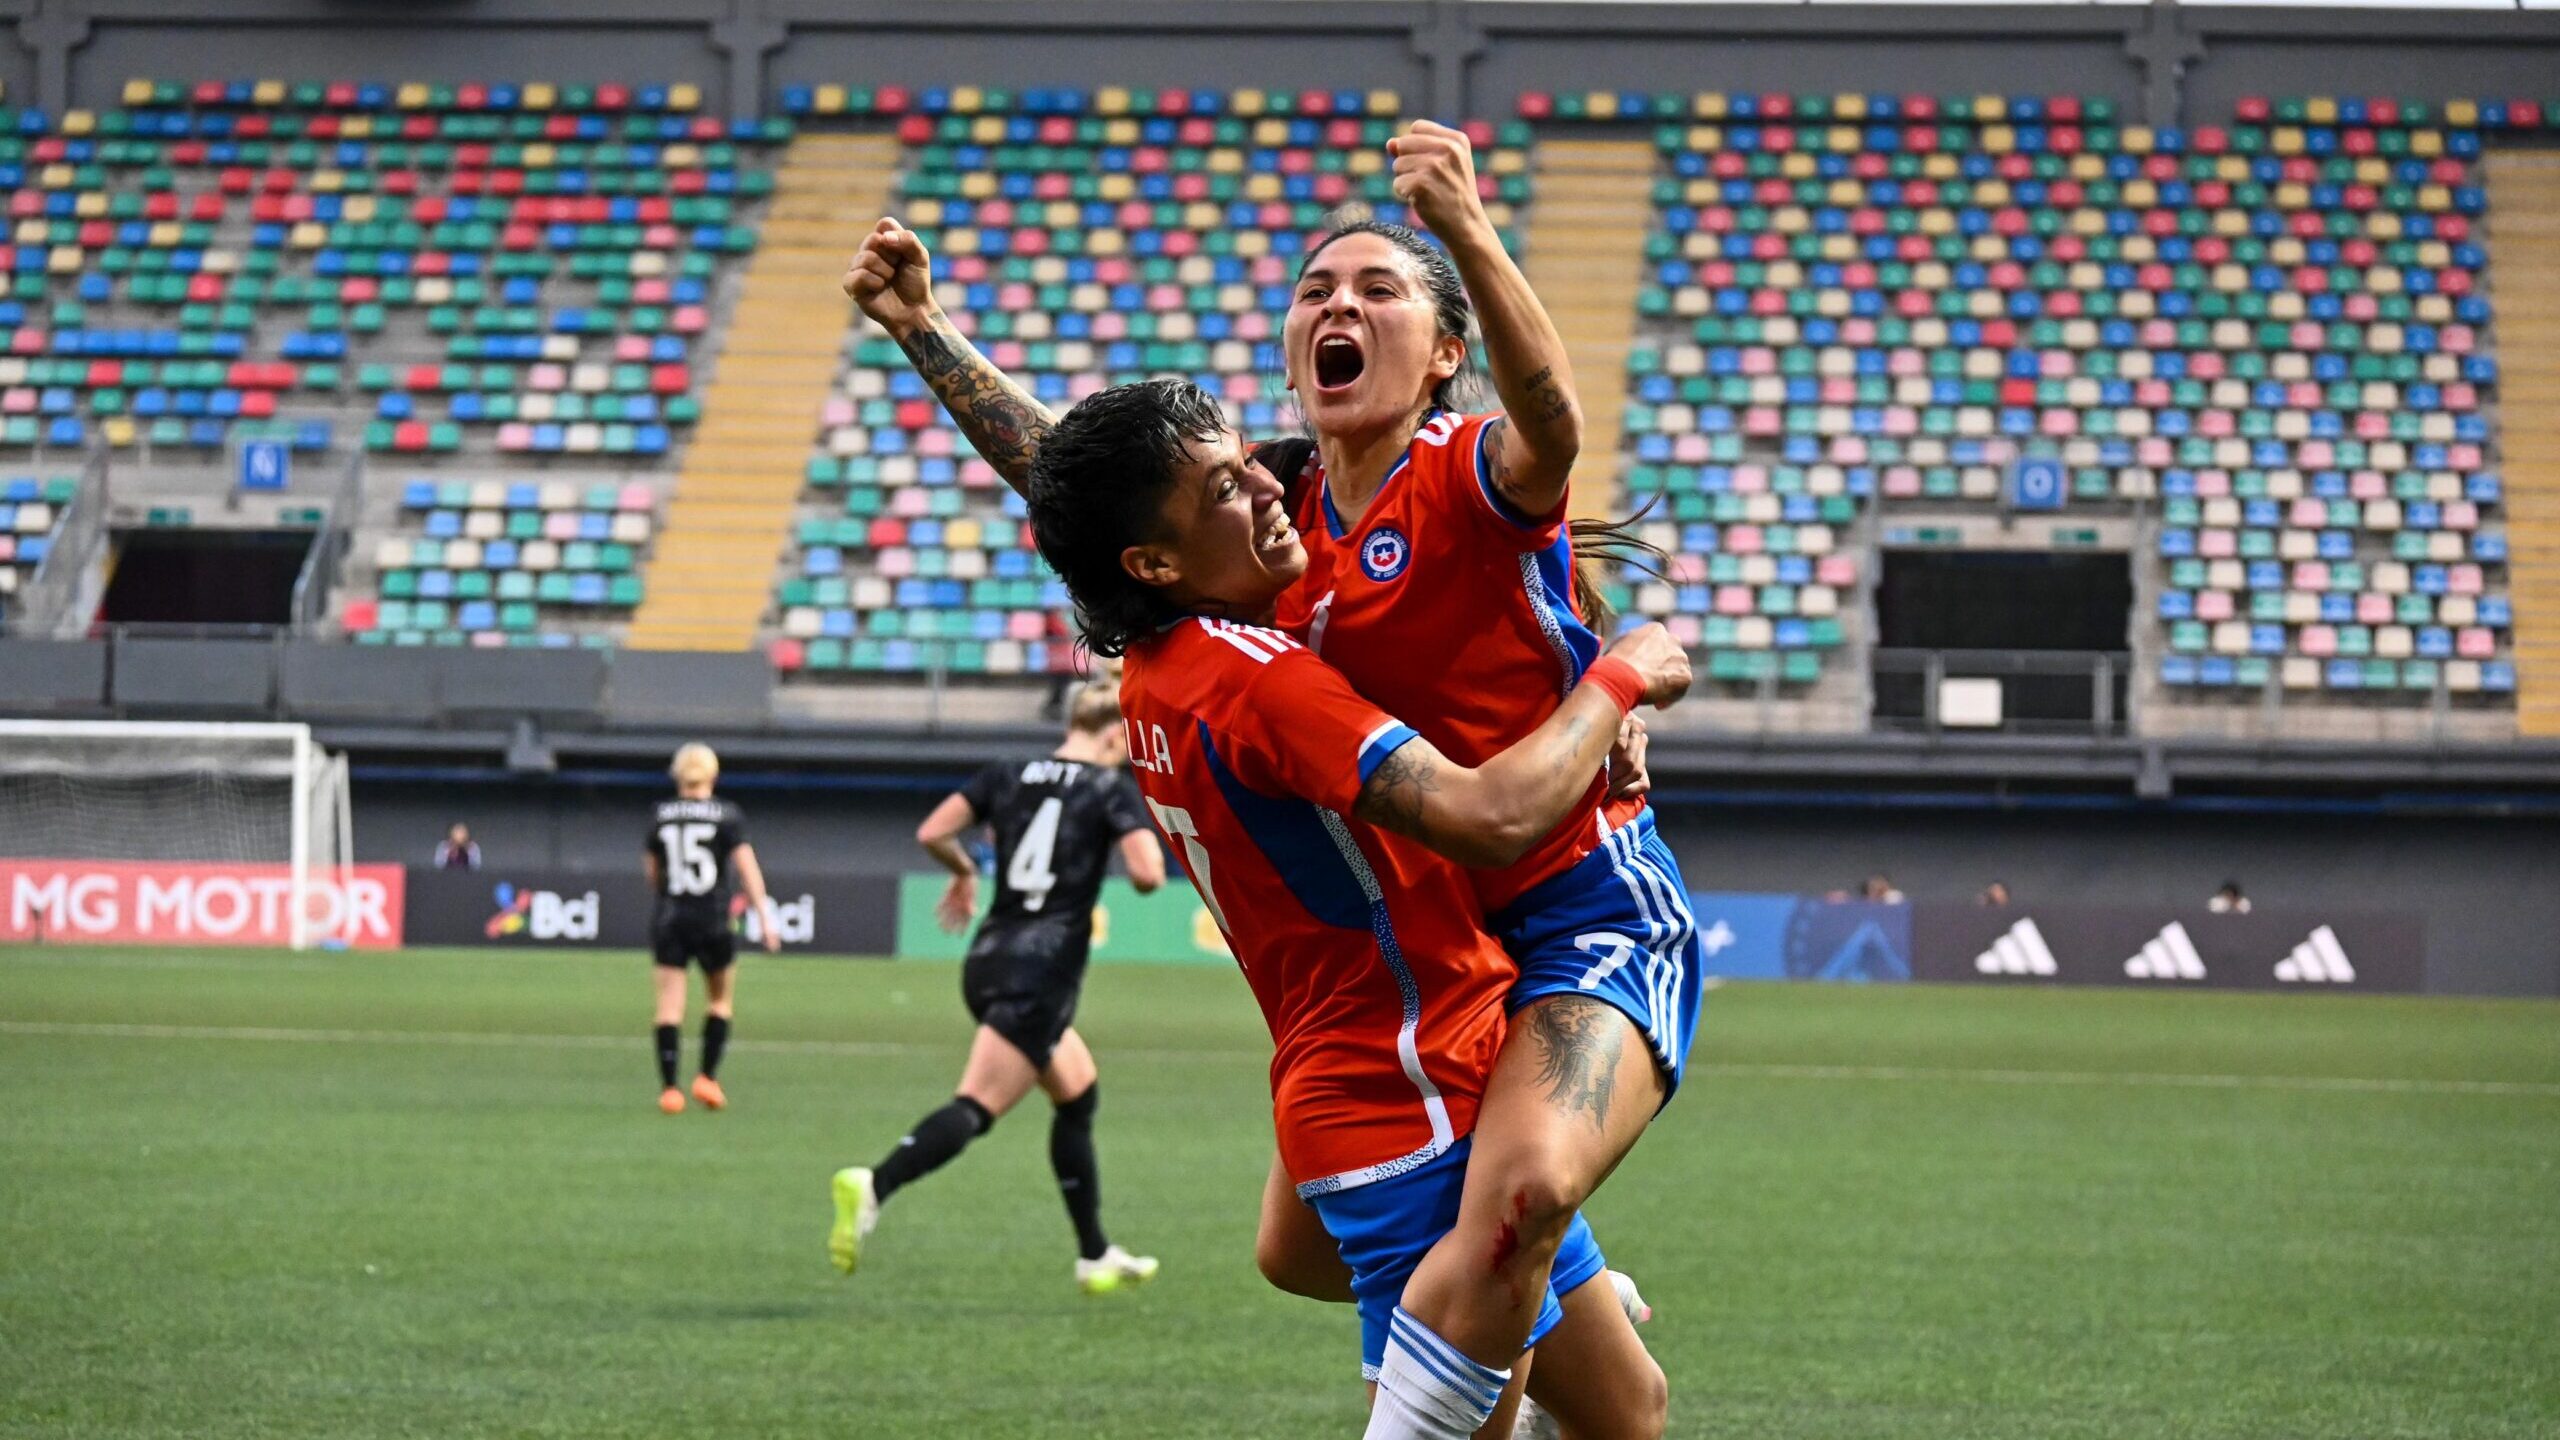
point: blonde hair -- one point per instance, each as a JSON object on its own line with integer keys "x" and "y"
{"x": 695, "y": 763}
{"x": 1094, "y": 708}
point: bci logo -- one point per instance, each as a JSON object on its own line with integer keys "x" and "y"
{"x": 545, "y": 915}
{"x": 796, "y": 919}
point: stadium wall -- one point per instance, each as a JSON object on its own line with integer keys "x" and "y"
{"x": 2476, "y": 889}
{"x": 1452, "y": 57}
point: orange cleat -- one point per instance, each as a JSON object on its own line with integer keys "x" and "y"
{"x": 707, "y": 1090}
{"x": 671, "y": 1100}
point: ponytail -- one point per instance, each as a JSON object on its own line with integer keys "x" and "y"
{"x": 1615, "y": 541}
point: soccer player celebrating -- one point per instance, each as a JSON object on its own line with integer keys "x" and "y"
{"x": 693, "y": 843}
{"x": 1317, "y": 829}
{"x": 1435, "y": 532}
{"x": 1056, "y": 821}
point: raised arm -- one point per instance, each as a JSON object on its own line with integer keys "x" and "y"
{"x": 891, "y": 279}
{"x": 1490, "y": 815}
{"x": 1534, "y": 445}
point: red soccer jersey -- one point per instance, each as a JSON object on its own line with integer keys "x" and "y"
{"x": 1366, "y": 952}
{"x": 1454, "y": 611}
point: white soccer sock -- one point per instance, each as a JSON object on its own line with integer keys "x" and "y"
{"x": 1427, "y": 1390}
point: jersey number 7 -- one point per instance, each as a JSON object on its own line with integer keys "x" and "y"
{"x": 1176, "y": 824}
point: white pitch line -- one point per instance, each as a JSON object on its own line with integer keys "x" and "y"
{"x": 2339, "y": 1084}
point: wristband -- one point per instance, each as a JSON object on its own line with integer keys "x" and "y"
{"x": 1620, "y": 679}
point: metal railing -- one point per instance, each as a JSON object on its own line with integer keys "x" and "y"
{"x": 51, "y": 605}
{"x": 327, "y": 557}
{"x": 2042, "y": 692}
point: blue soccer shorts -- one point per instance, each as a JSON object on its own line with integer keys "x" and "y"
{"x": 1385, "y": 1227}
{"x": 1616, "y": 927}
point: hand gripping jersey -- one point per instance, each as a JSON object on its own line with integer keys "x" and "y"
{"x": 1365, "y": 951}
{"x": 1441, "y": 569}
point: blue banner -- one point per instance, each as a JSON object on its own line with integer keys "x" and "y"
{"x": 1800, "y": 937}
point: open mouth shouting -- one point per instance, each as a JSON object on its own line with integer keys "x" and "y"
{"x": 1339, "y": 362}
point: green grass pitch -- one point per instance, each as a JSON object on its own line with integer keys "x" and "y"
{"x": 232, "y": 1205}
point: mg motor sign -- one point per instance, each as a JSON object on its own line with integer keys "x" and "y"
{"x": 2168, "y": 947}
{"x": 134, "y": 903}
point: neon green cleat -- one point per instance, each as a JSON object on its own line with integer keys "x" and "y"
{"x": 857, "y": 1211}
{"x": 1116, "y": 1270}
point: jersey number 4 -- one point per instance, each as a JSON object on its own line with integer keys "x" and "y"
{"x": 690, "y": 868}
{"x": 1195, "y": 856}
{"x": 1032, "y": 873}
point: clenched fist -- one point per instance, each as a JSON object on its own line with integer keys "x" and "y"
{"x": 1435, "y": 176}
{"x": 891, "y": 278}
{"x": 1659, "y": 659}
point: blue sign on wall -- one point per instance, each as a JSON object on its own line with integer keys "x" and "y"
{"x": 265, "y": 465}
{"x": 1799, "y": 937}
{"x": 2038, "y": 483}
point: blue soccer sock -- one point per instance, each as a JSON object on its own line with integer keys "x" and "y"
{"x": 1427, "y": 1390}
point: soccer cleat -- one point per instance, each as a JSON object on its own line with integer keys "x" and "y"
{"x": 1638, "y": 1312}
{"x": 857, "y": 1211}
{"x": 1537, "y": 1424}
{"x": 708, "y": 1091}
{"x": 1117, "y": 1268}
{"x": 671, "y": 1100}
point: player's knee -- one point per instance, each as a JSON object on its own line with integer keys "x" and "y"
{"x": 1271, "y": 1257}
{"x": 1540, "y": 1194}
{"x": 1080, "y": 1110}
{"x": 1287, "y": 1269}
{"x": 1649, "y": 1404}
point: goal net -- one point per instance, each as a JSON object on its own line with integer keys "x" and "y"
{"x": 249, "y": 824}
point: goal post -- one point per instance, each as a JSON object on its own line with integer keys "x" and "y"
{"x": 262, "y": 807}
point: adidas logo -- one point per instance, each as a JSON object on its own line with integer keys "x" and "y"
{"x": 2020, "y": 952}
{"x": 2169, "y": 955}
{"x": 2320, "y": 960}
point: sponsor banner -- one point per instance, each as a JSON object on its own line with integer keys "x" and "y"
{"x": 544, "y": 909}
{"x": 2168, "y": 947}
{"x": 141, "y": 903}
{"x": 1170, "y": 926}
{"x": 1800, "y": 937}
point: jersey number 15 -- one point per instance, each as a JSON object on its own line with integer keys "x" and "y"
{"x": 690, "y": 868}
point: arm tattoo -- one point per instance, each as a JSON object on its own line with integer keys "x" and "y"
{"x": 1393, "y": 797}
{"x": 1579, "y": 1040}
{"x": 1496, "y": 432}
{"x": 1003, "y": 423}
{"x": 1547, "y": 399}
{"x": 1568, "y": 742}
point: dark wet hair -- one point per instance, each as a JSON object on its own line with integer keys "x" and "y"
{"x": 1098, "y": 487}
{"x": 1449, "y": 303}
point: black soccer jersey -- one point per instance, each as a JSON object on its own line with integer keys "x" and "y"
{"x": 1055, "y": 822}
{"x": 693, "y": 840}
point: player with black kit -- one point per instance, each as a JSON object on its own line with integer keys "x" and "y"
{"x": 1057, "y": 821}
{"x": 693, "y": 843}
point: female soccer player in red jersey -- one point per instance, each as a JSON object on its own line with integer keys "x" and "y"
{"x": 1596, "y": 913}
{"x": 1430, "y": 531}
{"x": 1318, "y": 830}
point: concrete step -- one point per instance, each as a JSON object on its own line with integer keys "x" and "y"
{"x": 724, "y": 517}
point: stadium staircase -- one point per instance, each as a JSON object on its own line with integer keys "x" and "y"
{"x": 1585, "y": 245}
{"x": 2524, "y": 223}
{"x": 726, "y": 527}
